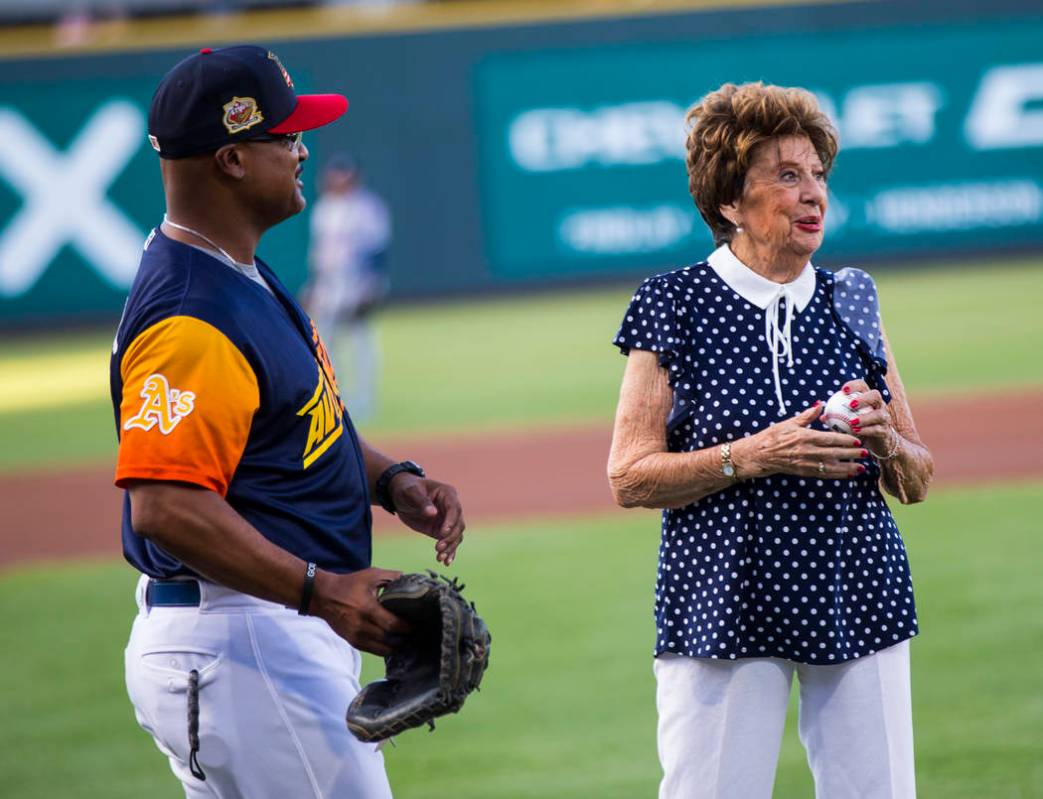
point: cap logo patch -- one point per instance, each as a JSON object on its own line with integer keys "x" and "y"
{"x": 241, "y": 113}
{"x": 282, "y": 69}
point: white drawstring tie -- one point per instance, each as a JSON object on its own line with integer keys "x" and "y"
{"x": 769, "y": 296}
{"x": 780, "y": 339}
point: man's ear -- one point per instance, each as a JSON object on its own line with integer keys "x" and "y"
{"x": 230, "y": 161}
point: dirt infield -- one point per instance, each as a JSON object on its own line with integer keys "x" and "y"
{"x": 549, "y": 472}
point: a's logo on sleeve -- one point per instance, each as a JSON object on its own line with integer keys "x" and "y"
{"x": 163, "y": 405}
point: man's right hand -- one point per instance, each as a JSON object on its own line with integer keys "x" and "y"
{"x": 348, "y": 603}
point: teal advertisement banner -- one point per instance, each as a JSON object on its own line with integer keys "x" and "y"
{"x": 80, "y": 191}
{"x": 549, "y": 153}
{"x": 941, "y": 127}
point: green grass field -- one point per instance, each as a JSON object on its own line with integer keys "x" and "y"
{"x": 514, "y": 362}
{"x": 567, "y": 709}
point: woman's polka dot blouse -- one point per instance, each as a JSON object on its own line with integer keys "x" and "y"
{"x": 799, "y": 568}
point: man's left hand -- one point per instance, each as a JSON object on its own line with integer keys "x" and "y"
{"x": 431, "y": 508}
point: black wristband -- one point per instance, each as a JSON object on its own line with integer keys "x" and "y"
{"x": 306, "y": 590}
{"x": 382, "y": 490}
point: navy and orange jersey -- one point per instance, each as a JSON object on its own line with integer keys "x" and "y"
{"x": 219, "y": 383}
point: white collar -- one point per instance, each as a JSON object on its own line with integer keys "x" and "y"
{"x": 757, "y": 289}
{"x": 770, "y": 297}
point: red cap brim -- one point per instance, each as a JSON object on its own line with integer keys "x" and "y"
{"x": 312, "y": 111}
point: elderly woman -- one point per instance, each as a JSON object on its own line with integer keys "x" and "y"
{"x": 779, "y": 555}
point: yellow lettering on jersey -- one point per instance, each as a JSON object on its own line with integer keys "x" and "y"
{"x": 325, "y": 425}
{"x": 163, "y": 405}
{"x": 326, "y": 364}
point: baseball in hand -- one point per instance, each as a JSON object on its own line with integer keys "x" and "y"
{"x": 838, "y": 413}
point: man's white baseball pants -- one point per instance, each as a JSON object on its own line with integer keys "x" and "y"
{"x": 273, "y": 691}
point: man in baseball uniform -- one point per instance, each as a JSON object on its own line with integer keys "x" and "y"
{"x": 248, "y": 491}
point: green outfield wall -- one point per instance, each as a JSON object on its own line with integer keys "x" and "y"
{"x": 551, "y": 150}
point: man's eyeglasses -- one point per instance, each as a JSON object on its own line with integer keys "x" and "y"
{"x": 291, "y": 141}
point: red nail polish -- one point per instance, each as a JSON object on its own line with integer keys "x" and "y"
{"x": 858, "y": 443}
{"x": 817, "y": 403}
{"x": 847, "y": 390}
{"x": 854, "y": 403}
{"x": 855, "y": 423}
{"x": 865, "y": 453}
{"x": 861, "y": 469}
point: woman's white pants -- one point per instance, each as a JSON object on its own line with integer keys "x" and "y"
{"x": 721, "y": 723}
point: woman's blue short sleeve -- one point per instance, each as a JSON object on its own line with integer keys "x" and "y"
{"x": 856, "y": 304}
{"x": 651, "y": 322}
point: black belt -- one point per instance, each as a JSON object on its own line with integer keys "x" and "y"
{"x": 172, "y": 593}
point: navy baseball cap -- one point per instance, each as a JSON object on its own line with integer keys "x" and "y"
{"x": 219, "y": 97}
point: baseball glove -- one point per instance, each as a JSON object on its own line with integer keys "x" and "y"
{"x": 431, "y": 672}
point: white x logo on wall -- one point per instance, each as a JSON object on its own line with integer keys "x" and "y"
{"x": 64, "y": 197}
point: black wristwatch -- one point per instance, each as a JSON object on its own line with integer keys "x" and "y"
{"x": 381, "y": 491}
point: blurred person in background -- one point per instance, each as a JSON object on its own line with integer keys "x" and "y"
{"x": 350, "y": 235}
{"x": 779, "y": 555}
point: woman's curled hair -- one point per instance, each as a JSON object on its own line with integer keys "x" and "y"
{"x": 725, "y": 127}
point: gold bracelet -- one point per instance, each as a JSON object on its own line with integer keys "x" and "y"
{"x": 892, "y": 453}
{"x": 727, "y": 465}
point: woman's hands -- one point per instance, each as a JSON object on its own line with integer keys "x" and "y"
{"x": 874, "y": 425}
{"x": 791, "y": 447}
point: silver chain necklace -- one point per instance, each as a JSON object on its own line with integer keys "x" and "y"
{"x": 204, "y": 238}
